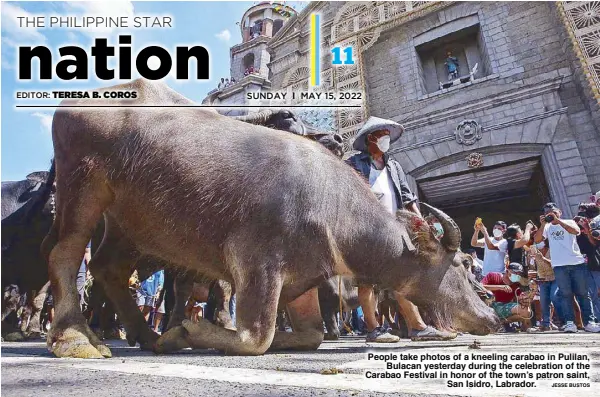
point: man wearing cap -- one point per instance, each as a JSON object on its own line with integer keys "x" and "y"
{"x": 569, "y": 266}
{"x": 505, "y": 287}
{"x": 388, "y": 183}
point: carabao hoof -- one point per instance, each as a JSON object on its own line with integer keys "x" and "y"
{"x": 104, "y": 350}
{"x": 73, "y": 344}
{"x": 172, "y": 340}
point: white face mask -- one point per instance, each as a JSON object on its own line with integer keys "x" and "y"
{"x": 383, "y": 143}
{"x": 497, "y": 233}
{"x": 439, "y": 230}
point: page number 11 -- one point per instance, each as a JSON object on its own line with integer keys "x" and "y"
{"x": 337, "y": 56}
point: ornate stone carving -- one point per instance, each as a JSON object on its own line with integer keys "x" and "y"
{"x": 468, "y": 132}
{"x": 474, "y": 160}
{"x": 368, "y": 38}
{"x": 582, "y": 20}
{"x": 297, "y": 75}
{"x": 357, "y": 17}
{"x": 584, "y": 14}
{"x": 321, "y": 119}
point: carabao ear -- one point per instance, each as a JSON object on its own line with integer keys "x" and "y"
{"x": 463, "y": 259}
{"x": 38, "y": 176}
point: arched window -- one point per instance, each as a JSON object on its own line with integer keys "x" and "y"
{"x": 248, "y": 64}
{"x": 278, "y": 24}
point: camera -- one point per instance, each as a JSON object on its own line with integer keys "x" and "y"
{"x": 588, "y": 210}
{"x": 595, "y": 227}
{"x": 549, "y": 218}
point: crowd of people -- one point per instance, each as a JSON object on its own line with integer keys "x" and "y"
{"x": 228, "y": 82}
{"x": 150, "y": 300}
{"x": 225, "y": 82}
{"x": 548, "y": 273}
{"x": 250, "y": 70}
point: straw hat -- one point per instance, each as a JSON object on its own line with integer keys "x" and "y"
{"x": 376, "y": 124}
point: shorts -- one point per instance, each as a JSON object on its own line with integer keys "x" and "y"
{"x": 143, "y": 300}
{"x": 161, "y": 308}
{"x": 504, "y": 310}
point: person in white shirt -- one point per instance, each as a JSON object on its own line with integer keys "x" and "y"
{"x": 569, "y": 266}
{"x": 493, "y": 260}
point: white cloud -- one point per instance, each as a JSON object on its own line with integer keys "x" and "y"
{"x": 99, "y": 9}
{"x": 45, "y": 121}
{"x": 10, "y": 25}
{"x": 72, "y": 36}
{"x": 224, "y": 35}
{"x": 7, "y": 41}
{"x": 14, "y": 36}
{"x": 7, "y": 65}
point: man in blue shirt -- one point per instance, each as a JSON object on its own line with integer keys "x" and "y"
{"x": 149, "y": 291}
{"x": 451, "y": 66}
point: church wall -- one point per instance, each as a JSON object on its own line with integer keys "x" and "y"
{"x": 526, "y": 51}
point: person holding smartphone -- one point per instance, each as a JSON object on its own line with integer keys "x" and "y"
{"x": 569, "y": 266}
{"x": 494, "y": 249}
{"x": 590, "y": 248}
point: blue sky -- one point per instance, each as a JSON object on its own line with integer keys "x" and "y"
{"x": 25, "y": 134}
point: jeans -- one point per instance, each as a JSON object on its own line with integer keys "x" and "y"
{"x": 593, "y": 285}
{"x": 232, "y": 309}
{"x": 548, "y": 295}
{"x": 357, "y": 323}
{"x": 572, "y": 280}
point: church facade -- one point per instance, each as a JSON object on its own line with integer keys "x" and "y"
{"x": 516, "y": 124}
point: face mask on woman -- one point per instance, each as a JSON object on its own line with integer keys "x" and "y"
{"x": 383, "y": 143}
{"x": 515, "y": 278}
{"x": 497, "y": 233}
{"x": 439, "y": 230}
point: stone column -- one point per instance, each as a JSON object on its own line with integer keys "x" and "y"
{"x": 555, "y": 181}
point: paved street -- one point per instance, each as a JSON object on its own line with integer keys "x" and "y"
{"x": 27, "y": 368}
